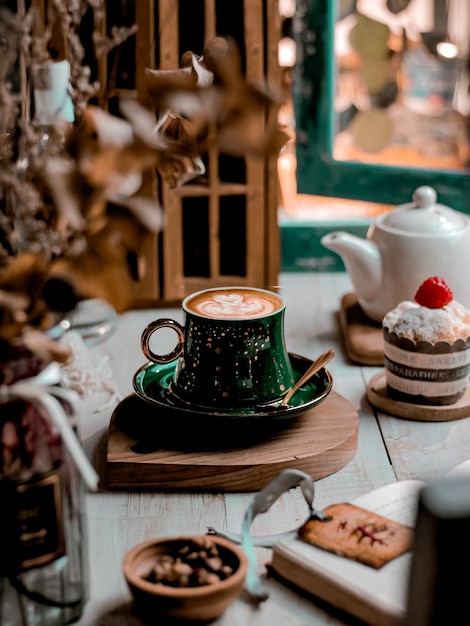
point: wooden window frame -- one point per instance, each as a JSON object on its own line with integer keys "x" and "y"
{"x": 318, "y": 173}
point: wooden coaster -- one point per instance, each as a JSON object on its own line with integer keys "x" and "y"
{"x": 152, "y": 455}
{"x": 362, "y": 336}
{"x": 377, "y": 396}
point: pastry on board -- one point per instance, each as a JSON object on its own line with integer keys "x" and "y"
{"x": 427, "y": 347}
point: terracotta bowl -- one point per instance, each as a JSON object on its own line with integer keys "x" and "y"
{"x": 202, "y": 602}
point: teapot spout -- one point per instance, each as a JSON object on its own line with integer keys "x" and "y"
{"x": 362, "y": 260}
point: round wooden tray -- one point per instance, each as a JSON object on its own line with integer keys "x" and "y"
{"x": 151, "y": 455}
{"x": 377, "y": 396}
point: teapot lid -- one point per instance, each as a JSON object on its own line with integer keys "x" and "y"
{"x": 424, "y": 216}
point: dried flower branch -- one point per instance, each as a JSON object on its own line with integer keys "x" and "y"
{"x": 222, "y": 106}
{"x": 50, "y": 203}
{"x": 72, "y": 209}
{"x": 104, "y": 45}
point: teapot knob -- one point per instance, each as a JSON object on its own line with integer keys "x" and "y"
{"x": 424, "y": 197}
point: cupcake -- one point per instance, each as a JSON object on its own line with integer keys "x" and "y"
{"x": 427, "y": 347}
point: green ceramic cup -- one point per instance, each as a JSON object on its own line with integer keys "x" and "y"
{"x": 231, "y": 349}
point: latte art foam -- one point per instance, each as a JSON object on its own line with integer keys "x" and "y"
{"x": 234, "y": 304}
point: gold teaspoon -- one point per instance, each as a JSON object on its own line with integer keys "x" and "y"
{"x": 317, "y": 365}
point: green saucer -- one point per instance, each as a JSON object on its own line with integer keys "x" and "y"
{"x": 152, "y": 383}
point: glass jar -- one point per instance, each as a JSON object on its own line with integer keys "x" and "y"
{"x": 43, "y": 548}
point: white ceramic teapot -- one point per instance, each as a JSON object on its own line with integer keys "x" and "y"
{"x": 404, "y": 247}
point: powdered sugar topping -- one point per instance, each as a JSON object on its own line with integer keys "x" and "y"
{"x": 419, "y": 323}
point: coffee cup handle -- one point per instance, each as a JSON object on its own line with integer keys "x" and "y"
{"x": 148, "y": 332}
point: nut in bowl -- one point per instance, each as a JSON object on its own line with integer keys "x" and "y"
{"x": 190, "y": 577}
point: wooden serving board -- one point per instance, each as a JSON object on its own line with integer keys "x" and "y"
{"x": 377, "y": 396}
{"x": 145, "y": 452}
{"x": 362, "y": 336}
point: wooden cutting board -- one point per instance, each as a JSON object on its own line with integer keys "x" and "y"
{"x": 145, "y": 451}
{"x": 363, "y": 339}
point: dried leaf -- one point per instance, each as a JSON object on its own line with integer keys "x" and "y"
{"x": 59, "y": 176}
{"x": 180, "y": 167}
{"x": 101, "y": 270}
{"x": 21, "y": 303}
{"x": 162, "y": 82}
{"x": 145, "y": 209}
{"x": 24, "y": 274}
{"x": 237, "y": 110}
{"x": 45, "y": 348}
{"x": 13, "y": 316}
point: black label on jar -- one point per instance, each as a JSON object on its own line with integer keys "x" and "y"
{"x": 33, "y": 527}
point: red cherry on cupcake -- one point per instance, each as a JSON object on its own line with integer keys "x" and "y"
{"x": 434, "y": 293}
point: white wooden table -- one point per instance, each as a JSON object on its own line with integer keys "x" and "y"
{"x": 389, "y": 449}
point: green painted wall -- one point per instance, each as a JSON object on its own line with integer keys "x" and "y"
{"x": 301, "y": 248}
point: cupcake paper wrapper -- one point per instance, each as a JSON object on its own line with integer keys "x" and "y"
{"x": 426, "y": 373}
